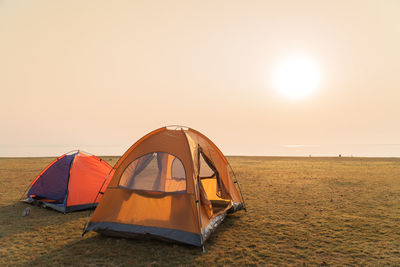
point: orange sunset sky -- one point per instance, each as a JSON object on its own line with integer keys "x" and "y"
{"x": 257, "y": 77}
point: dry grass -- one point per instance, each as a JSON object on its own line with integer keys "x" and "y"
{"x": 312, "y": 211}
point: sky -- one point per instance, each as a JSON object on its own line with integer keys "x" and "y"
{"x": 98, "y": 75}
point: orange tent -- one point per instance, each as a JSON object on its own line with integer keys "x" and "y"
{"x": 71, "y": 182}
{"x": 173, "y": 183}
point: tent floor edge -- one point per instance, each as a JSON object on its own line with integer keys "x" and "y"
{"x": 139, "y": 231}
{"x": 212, "y": 225}
{"x": 81, "y": 207}
{"x": 58, "y": 207}
{"x": 43, "y": 204}
{"x": 236, "y": 207}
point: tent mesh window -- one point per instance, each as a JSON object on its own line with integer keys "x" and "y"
{"x": 209, "y": 177}
{"x": 157, "y": 171}
{"x": 205, "y": 169}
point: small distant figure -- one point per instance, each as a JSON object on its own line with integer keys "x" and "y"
{"x": 26, "y": 212}
{"x": 340, "y": 155}
{"x": 309, "y": 156}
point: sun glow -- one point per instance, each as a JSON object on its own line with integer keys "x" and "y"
{"x": 296, "y": 77}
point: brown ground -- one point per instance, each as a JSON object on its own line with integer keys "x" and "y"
{"x": 312, "y": 211}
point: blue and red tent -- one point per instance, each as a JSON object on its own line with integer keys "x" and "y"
{"x": 71, "y": 182}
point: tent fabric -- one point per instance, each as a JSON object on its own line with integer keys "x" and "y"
{"x": 49, "y": 188}
{"x": 159, "y": 188}
{"x": 87, "y": 175}
{"x": 71, "y": 182}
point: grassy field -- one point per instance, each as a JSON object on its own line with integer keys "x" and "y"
{"x": 301, "y": 211}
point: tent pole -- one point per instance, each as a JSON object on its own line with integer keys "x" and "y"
{"x": 197, "y": 180}
{"x": 238, "y": 185}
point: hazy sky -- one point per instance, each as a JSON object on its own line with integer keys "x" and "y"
{"x": 98, "y": 75}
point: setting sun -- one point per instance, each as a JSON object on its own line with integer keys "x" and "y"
{"x": 296, "y": 77}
